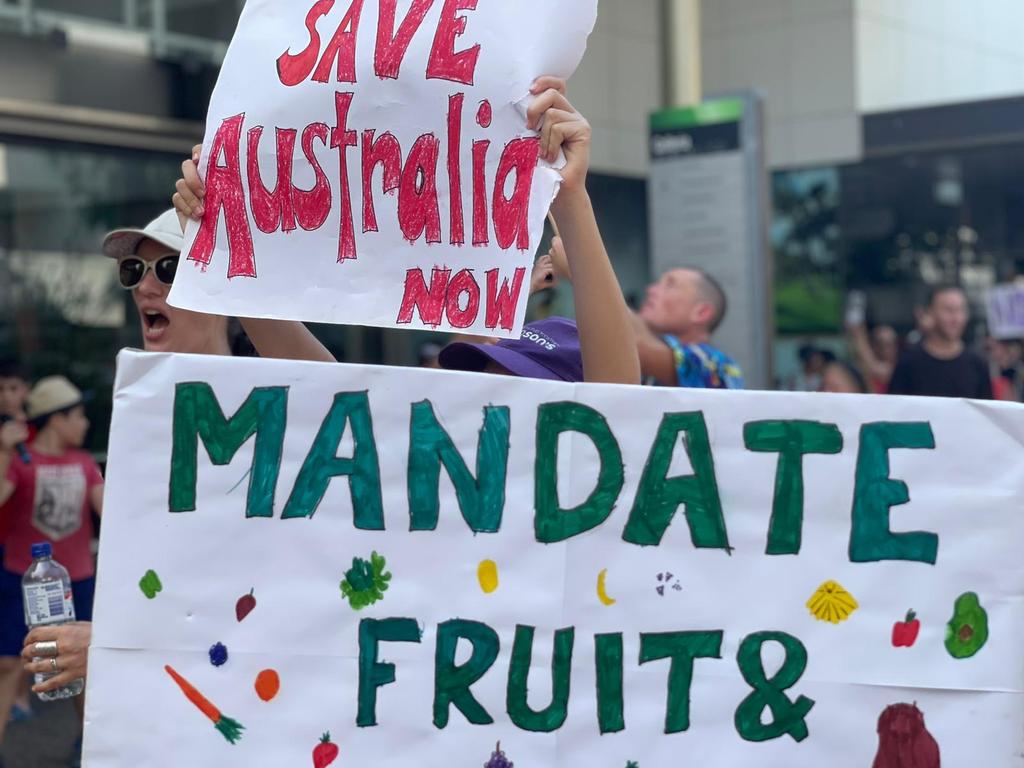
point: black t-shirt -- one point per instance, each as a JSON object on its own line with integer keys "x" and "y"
{"x": 919, "y": 373}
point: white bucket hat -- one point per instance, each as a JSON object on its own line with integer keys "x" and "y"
{"x": 164, "y": 229}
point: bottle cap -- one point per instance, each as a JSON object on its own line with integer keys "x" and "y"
{"x": 42, "y": 550}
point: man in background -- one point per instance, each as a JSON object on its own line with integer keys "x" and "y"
{"x": 674, "y": 328}
{"x": 941, "y": 365}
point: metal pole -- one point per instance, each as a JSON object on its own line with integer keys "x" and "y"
{"x": 26, "y": 16}
{"x": 159, "y": 27}
{"x": 130, "y": 13}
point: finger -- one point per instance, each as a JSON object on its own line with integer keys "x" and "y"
{"x": 552, "y": 119}
{"x": 190, "y": 173}
{"x": 65, "y": 663}
{"x": 545, "y": 82}
{"x": 42, "y": 635}
{"x": 549, "y": 99}
{"x": 197, "y": 152}
{"x": 192, "y": 205}
{"x": 552, "y": 140}
{"x": 55, "y": 682}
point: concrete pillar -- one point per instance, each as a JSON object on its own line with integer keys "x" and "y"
{"x": 681, "y": 31}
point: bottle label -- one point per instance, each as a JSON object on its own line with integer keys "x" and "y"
{"x": 48, "y": 604}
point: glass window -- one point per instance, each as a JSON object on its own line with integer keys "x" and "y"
{"x": 104, "y": 10}
{"x": 211, "y": 19}
{"x": 60, "y": 308}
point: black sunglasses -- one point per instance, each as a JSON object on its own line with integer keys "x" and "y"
{"x": 131, "y": 269}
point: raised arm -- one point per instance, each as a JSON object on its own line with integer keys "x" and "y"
{"x": 607, "y": 340}
{"x": 281, "y": 339}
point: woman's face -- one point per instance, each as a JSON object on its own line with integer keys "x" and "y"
{"x": 169, "y": 329}
{"x": 837, "y": 379}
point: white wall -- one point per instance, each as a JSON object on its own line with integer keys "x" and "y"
{"x": 913, "y": 53}
{"x": 619, "y": 83}
{"x": 800, "y": 55}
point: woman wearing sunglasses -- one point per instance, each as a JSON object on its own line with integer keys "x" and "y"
{"x": 147, "y": 260}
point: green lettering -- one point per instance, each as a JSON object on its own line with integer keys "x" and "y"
{"x": 481, "y": 499}
{"x": 875, "y": 493}
{"x": 373, "y": 673}
{"x": 553, "y": 716}
{"x": 608, "y": 660}
{"x": 452, "y": 681}
{"x": 787, "y": 716}
{"x": 659, "y": 496}
{"x": 198, "y": 415}
{"x": 323, "y": 463}
{"x": 792, "y": 440}
{"x": 682, "y": 648}
{"x": 551, "y": 522}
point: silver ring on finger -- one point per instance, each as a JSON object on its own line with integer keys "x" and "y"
{"x": 46, "y": 648}
{"x": 53, "y": 664}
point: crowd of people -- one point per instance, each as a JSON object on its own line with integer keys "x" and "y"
{"x": 50, "y": 489}
{"x": 933, "y": 360}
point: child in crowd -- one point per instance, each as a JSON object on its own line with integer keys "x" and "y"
{"x": 49, "y": 498}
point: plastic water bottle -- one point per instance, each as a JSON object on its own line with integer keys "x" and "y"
{"x": 46, "y": 589}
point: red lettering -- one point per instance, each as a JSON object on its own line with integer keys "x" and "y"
{"x": 429, "y": 302}
{"x": 391, "y": 46}
{"x": 463, "y": 284}
{"x": 458, "y": 234}
{"x": 444, "y": 62}
{"x": 511, "y": 214}
{"x": 343, "y": 48}
{"x": 224, "y": 191}
{"x": 417, "y": 193}
{"x": 342, "y": 139}
{"x": 312, "y": 206}
{"x": 293, "y": 68}
{"x": 272, "y": 210}
{"x": 481, "y": 236}
{"x": 502, "y": 302}
{"x": 387, "y": 152}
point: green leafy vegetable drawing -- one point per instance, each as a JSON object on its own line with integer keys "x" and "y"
{"x": 365, "y": 582}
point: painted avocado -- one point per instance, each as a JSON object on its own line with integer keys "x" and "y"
{"x": 967, "y": 631}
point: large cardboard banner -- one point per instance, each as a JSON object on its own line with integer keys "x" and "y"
{"x": 368, "y": 162}
{"x": 307, "y": 564}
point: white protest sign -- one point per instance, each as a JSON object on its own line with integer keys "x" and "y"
{"x": 369, "y": 162}
{"x": 423, "y": 564}
{"x": 1005, "y": 305}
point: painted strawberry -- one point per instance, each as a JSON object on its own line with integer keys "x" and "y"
{"x": 245, "y": 605}
{"x": 325, "y": 752}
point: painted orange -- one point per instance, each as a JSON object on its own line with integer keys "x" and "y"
{"x": 267, "y": 684}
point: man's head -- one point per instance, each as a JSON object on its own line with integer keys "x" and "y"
{"x": 147, "y": 260}
{"x": 947, "y": 307}
{"x": 13, "y": 389}
{"x": 685, "y": 302}
{"x": 55, "y": 406}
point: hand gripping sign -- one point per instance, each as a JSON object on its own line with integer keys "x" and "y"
{"x": 368, "y": 162}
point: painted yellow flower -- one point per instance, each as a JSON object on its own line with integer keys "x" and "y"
{"x": 832, "y": 603}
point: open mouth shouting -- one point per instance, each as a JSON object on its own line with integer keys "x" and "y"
{"x": 154, "y": 324}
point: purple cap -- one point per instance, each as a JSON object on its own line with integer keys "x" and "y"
{"x": 548, "y": 349}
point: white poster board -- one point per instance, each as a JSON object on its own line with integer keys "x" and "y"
{"x": 367, "y": 606}
{"x": 370, "y": 162}
{"x": 1005, "y": 304}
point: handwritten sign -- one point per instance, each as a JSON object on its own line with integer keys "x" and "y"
{"x": 423, "y": 564}
{"x": 369, "y": 162}
{"x": 1006, "y": 311}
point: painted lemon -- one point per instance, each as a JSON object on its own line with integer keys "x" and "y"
{"x": 602, "y": 593}
{"x": 487, "y": 575}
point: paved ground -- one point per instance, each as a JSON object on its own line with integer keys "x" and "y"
{"x": 44, "y": 741}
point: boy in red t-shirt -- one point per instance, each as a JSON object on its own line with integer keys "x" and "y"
{"x": 47, "y": 499}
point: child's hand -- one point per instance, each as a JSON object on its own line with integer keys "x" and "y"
{"x": 560, "y": 126}
{"x": 543, "y": 274}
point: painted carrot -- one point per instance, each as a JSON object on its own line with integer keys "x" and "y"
{"x": 229, "y": 729}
